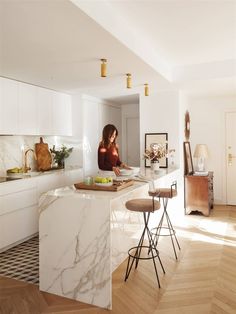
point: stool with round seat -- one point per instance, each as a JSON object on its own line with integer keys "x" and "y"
{"x": 146, "y": 206}
{"x": 165, "y": 194}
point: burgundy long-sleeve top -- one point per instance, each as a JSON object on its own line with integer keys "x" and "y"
{"x": 108, "y": 157}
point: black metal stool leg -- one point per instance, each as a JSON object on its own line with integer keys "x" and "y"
{"x": 127, "y": 269}
{"x": 169, "y": 227}
{"x": 153, "y": 259}
{"x": 146, "y": 219}
{"x": 154, "y": 247}
{"x": 168, "y": 219}
{"x": 138, "y": 249}
{"x": 136, "y": 255}
{"x": 158, "y": 229}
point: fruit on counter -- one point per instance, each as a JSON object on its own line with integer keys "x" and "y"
{"x": 103, "y": 179}
{"x": 15, "y": 170}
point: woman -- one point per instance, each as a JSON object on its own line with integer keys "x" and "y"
{"x": 108, "y": 154}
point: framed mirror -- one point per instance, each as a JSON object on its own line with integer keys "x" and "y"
{"x": 159, "y": 138}
{"x": 188, "y": 162}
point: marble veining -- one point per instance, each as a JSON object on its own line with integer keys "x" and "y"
{"x": 85, "y": 236}
{"x": 79, "y": 262}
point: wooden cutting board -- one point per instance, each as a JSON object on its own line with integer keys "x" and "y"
{"x": 117, "y": 186}
{"x": 43, "y": 156}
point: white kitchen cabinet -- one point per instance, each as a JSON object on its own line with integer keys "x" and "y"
{"x": 31, "y": 110}
{"x": 62, "y": 119}
{"x": 18, "y": 226}
{"x": 73, "y": 176}
{"x": 18, "y": 211}
{"x": 45, "y": 116}
{"x": 54, "y": 111}
{"x": 8, "y": 106}
{"x": 58, "y": 179}
{"x": 50, "y": 181}
{"x": 19, "y": 203}
{"x": 28, "y": 111}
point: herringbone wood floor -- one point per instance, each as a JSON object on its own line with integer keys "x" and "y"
{"x": 203, "y": 281}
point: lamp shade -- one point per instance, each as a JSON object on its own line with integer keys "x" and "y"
{"x": 201, "y": 151}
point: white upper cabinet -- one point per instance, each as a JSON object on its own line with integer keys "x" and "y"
{"x": 44, "y": 103}
{"x": 8, "y": 106}
{"x": 28, "y": 111}
{"x": 62, "y": 120}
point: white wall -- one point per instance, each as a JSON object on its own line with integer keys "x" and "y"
{"x": 159, "y": 113}
{"x": 76, "y": 158}
{"x": 128, "y": 111}
{"x": 91, "y": 132}
{"x": 207, "y": 126}
{"x": 96, "y": 114}
{"x": 111, "y": 114}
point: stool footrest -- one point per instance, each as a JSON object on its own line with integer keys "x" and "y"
{"x": 170, "y": 231}
{"x": 138, "y": 251}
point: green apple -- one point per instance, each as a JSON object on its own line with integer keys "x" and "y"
{"x": 99, "y": 179}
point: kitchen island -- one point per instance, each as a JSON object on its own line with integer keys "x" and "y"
{"x": 85, "y": 236}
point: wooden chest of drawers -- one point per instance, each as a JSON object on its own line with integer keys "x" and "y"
{"x": 198, "y": 193}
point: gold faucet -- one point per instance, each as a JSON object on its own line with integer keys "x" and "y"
{"x": 26, "y": 168}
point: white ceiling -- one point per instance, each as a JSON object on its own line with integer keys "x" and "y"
{"x": 173, "y": 44}
{"x": 184, "y": 32}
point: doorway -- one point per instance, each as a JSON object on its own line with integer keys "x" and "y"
{"x": 230, "y": 158}
{"x": 132, "y": 141}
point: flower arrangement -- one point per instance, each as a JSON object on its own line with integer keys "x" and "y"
{"x": 156, "y": 152}
{"x": 60, "y": 155}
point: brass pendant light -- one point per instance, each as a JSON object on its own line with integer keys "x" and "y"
{"x": 146, "y": 89}
{"x": 104, "y": 68}
{"x": 128, "y": 80}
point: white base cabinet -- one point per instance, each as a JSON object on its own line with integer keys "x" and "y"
{"x": 18, "y": 211}
{"x": 73, "y": 176}
{"x": 19, "y": 204}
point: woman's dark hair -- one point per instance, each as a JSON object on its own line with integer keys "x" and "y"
{"x": 107, "y": 132}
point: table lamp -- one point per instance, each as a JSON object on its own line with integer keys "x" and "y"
{"x": 201, "y": 153}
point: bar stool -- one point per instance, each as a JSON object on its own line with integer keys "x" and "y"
{"x": 146, "y": 206}
{"x": 165, "y": 194}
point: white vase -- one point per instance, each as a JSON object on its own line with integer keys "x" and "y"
{"x": 155, "y": 165}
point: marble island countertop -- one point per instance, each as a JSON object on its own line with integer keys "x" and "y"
{"x": 85, "y": 235}
{"x": 70, "y": 191}
{"x": 146, "y": 177}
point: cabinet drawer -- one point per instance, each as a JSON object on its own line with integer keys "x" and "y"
{"x": 19, "y": 200}
{"x": 17, "y": 186}
{"x": 18, "y": 225}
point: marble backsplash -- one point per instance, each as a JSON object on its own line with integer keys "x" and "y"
{"x": 12, "y": 150}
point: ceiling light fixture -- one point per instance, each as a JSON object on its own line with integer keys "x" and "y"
{"x": 104, "y": 68}
{"x": 146, "y": 89}
{"x": 128, "y": 80}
